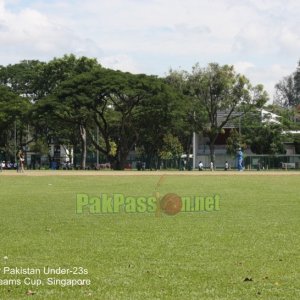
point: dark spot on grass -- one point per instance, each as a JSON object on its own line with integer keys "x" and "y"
{"x": 248, "y": 279}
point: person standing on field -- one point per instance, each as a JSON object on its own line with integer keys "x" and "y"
{"x": 226, "y": 166}
{"x": 21, "y": 160}
{"x": 200, "y": 166}
{"x": 240, "y": 161}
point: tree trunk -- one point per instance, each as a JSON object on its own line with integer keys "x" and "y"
{"x": 83, "y": 146}
{"x": 121, "y": 160}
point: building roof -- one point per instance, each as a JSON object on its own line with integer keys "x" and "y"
{"x": 221, "y": 117}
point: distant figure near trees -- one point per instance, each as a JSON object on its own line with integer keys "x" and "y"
{"x": 200, "y": 166}
{"x": 21, "y": 160}
{"x": 240, "y": 159}
{"x": 226, "y": 166}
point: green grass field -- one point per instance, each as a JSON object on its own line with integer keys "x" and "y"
{"x": 249, "y": 249}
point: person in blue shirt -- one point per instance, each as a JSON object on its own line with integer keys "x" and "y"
{"x": 240, "y": 159}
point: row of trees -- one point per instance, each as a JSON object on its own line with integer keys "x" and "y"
{"x": 77, "y": 103}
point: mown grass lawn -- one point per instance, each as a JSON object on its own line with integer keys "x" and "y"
{"x": 247, "y": 250}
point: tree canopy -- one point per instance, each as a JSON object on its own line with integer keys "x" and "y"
{"x": 287, "y": 90}
{"x": 219, "y": 89}
{"x": 75, "y": 102}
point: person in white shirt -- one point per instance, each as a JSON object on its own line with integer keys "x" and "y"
{"x": 200, "y": 166}
{"x": 226, "y": 166}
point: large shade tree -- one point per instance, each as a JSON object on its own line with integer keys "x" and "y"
{"x": 190, "y": 116}
{"x": 220, "y": 89}
{"x": 286, "y": 94}
{"x": 13, "y": 120}
{"x": 159, "y": 116}
{"x": 37, "y": 81}
{"x": 262, "y": 136}
{"x": 287, "y": 90}
{"x": 112, "y": 102}
{"x": 61, "y": 122}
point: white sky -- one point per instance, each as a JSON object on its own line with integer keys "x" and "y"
{"x": 260, "y": 37}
